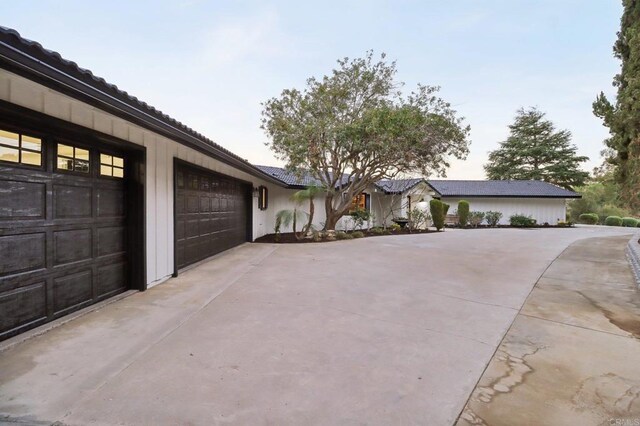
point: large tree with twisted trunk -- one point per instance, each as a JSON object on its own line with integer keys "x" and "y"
{"x": 355, "y": 127}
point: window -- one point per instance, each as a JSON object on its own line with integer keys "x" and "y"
{"x": 110, "y": 165}
{"x": 359, "y": 202}
{"x": 263, "y": 197}
{"x": 73, "y": 159}
{"x": 19, "y": 148}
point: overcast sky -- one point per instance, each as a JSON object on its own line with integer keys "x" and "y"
{"x": 210, "y": 64}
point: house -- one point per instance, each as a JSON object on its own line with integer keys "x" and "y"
{"x": 544, "y": 202}
{"x": 102, "y": 193}
{"x": 389, "y": 199}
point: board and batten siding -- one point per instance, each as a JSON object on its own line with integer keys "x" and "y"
{"x": 160, "y": 154}
{"x": 543, "y": 210}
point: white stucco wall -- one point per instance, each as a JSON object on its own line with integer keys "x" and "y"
{"x": 543, "y": 210}
{"x": 160, "y": 152}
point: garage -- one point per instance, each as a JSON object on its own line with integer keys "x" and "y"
{"x": 65, "y": 220}
{"x": 212, "y": 213}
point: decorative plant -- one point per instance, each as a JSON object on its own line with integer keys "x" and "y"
{"x": 521, "y": 220}
{"x": 419, "y": 219}
{"x": 613, "y": 221}
{"x": 437, "y": 209}
{"x": 290, "y": 217}
{"x": 359, "y": 217}
{"x": 463, "y": 213}
{"x": 307, "y": 194}
{"x": 476, "y": 218}
{"x": 492, "y": 218}
{"x": 629, "y": 222}
{"x": 589, "y": 218}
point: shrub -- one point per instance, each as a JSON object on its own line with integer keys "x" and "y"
{"x": 419, "y": 219}
{"x": 359, "y": 217}
{"x": 394, "y": 227}
{"x": 437, "y": 209}
{"x": 377, "y": 230}
{"x": 521, "y": 221}
{"x": 445, "y": 209}
{"x": 565, "y": 224}
{"x": 357, "y": 234}
{"x": 613, "y": 221}
{"x": 610, "y": 210}
{"x": 343, "y": 236}
{"x": 589, "y": 218}
{"x": 476, "y": 218}
{"x": 463, "y": 213}
{"x": 629, "y": 222}
{"x": 493, "y": 218}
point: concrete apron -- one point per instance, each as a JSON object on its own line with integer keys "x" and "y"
{"x": 388, "y": 330}
{"x": 572, "y": 355}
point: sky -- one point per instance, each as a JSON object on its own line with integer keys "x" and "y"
{"x": 210, "y": 64}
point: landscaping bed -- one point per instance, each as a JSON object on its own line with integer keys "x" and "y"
{"x": 289, "y": 237}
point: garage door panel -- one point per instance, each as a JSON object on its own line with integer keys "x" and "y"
{"x": 22, "y": 253}
{"x": 72, "y": 201}
{"x": 72, "y": 290}
{"x": 22, "y": 200}
{"x": 110, "y": 240}
{"x": 22, "y": 306}
{"x": 111, "y": 278}
{"x": 110, "y": 202}
{"x": 72, "y": 245}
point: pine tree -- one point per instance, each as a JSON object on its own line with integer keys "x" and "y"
{"x": 535, "y": 150}
{"x": 623, "y": 117}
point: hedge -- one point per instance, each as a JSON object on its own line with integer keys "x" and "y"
{"x": 629, "y": 222}
{"x": 436, "y": 208}
{"x": 613, "y": 221}
{"x": 520, "y": 220}
{"x": 589, "y": 218}
{"x": 463, "y": 213}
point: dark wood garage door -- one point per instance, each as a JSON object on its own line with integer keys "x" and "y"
{"x": 63, "y": 219}
{"x": 212, "y": 213}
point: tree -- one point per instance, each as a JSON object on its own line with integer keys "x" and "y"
{"x": 535, "y": 150}
{"x": 623, "y": 117}
{"x": 307, "y": 194}
{"x": 354, "y": 127}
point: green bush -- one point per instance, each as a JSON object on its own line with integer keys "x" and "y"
{"x": 610, "y": 210}
{"x": 445, "y": 209}
{"x": 463, "y": 213}
{"x": 521, "y": 221}
{"x": 613, "y": 221}
{"x": 589, "y": 218}
{"x": 629, "y": 222}
{"x": 394, "y": 227}
{"x": 377, "y": 230}
{"x": 437, "y": 209}
{"x": 476, "y": 218}
{"x": 493, "y": 218}
{"x": 357, "y": 234}
{"x": 343, "y": 236}
{"x": 638, "y": 224}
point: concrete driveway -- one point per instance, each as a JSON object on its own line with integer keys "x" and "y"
{"x": 385, "y": 330}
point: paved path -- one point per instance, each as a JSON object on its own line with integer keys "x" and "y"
{"x": 572, "y": 355}
{"x": 385, "y": 330}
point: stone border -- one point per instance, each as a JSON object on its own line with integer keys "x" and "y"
{"x": 633, "y": 256}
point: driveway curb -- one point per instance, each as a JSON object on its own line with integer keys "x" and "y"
{"x": 633, "y": 256}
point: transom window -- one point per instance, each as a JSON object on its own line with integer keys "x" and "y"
{"x": 73, "y": 159}
{"x": 110, "y": 165}
{"x": 19, "y": 148}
